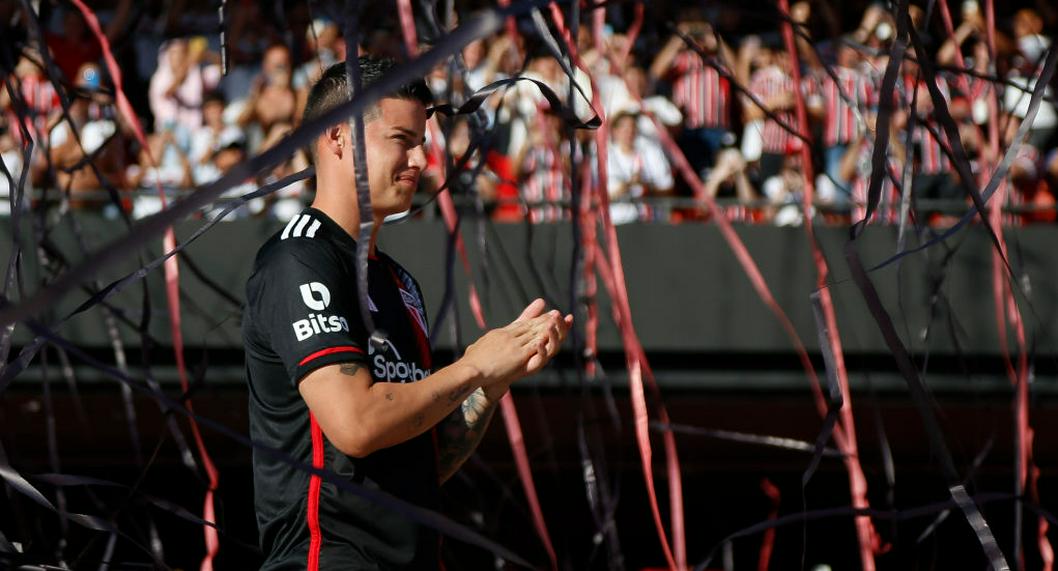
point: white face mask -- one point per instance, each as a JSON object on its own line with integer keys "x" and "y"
{"x": 884, "y": 31}
{"x": 438, "y": 85}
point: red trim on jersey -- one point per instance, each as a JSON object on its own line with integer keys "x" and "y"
{"x": 315, "y": 537}
{"x": 322, "y": 352}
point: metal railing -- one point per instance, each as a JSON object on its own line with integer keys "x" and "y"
{"x": 661, "y": 209}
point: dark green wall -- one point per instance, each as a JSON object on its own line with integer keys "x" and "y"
{"x": 688, "y": 293}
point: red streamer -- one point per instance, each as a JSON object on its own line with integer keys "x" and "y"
{"x": 1004, "y": 297}
{"x": 768, "y": 543}
{"x": 635, "y": 357}
{"x": 865, "y": 532}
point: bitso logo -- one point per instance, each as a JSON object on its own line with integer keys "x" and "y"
{"x": 309, "y": 292}
{"x": 317, "y": 297}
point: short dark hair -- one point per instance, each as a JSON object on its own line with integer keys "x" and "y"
{"x": 214, "y": 96}
{"x": 332, "y": 89}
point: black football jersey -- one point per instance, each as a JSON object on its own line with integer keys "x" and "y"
{"x": 302, "y": 313}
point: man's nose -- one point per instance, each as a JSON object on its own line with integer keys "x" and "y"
{"x": 417, "y": 157}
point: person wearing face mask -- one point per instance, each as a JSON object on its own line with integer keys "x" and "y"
{"x": 95, "y": 132}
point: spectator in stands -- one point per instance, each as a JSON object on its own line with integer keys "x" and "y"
{"x": 231, "y": 153}
{"x": 39, "y": 100}
{"x": 485, "y": 62}
{"x": 208, "y": 138}
{"x": 38, "y": 96}
{"x": 288, "y": 201}
{"x": 162, "y": 163}
{"x": 785, "y": 191}
{"x": 326, "y": 46}
{"x": 629, "y": 93}
{"x": 493, "y": 181}
{"x": 76, "y": 45}
{"x": 636, "y": 168}
{"x": 700, "y": 91}
{"x": 1032, "y": 45}
{"x": 848, "y": 96}
{"x": 857, "y": 166}
{"x": 84, "y": 167}
{"x": 1028, "y": 191}
{"x": 975, "y": 87}
{"x": 520, "y": 104}
{"x": 729, "y": 178}
{"x": 1027, "y": 26}
{"x": 178, "y": 86}
{"x": 934, "y": 179}
{"x": 273, "y": 99}
{"x": 876, "y": 27}
{"x": 773, "y": 89}
{"x": 543, "y": 167}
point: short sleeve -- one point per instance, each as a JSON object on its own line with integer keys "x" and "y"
{"x": 305, "y": 302}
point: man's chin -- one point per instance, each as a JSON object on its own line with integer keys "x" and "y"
{"x": 396, "y": 216}
{"x": 392, "y": 211}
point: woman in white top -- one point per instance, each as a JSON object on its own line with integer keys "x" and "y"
{"x": 636, "y": 167}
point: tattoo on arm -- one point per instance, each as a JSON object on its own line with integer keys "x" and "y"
{"x": 462, "y": 431}
{"x": 456, "y": 394}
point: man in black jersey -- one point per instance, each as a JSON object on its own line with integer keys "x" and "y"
{"x": 319, "y": 391}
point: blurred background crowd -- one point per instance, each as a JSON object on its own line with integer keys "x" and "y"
{"x": 717, "y": 80}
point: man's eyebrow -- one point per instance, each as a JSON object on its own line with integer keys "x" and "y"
{"x": 408, "y": 132}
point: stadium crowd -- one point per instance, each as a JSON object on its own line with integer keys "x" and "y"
{"x": 716, "y": 81}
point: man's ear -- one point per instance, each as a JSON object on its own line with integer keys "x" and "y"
{"x": 334, "y": 140}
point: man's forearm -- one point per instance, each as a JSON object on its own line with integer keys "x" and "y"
{"x": 462, "y": 431}
{"x": 360, "y": 415}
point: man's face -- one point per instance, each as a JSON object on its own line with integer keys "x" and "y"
{"x": 395, "y": 153}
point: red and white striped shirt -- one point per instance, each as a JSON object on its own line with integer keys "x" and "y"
{"x": 701, "y": 93}
{"x": 849, "y": 94}
{"x": 767, "y": 83}
{"x": 546, "y": 180}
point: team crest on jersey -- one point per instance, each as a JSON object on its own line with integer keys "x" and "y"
{"x": 414, "y": 305}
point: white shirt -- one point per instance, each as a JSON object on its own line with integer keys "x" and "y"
{"x": 648, "y": 164}
{"x": 1016, "y": 101}
{"x": 647, "y": 161}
